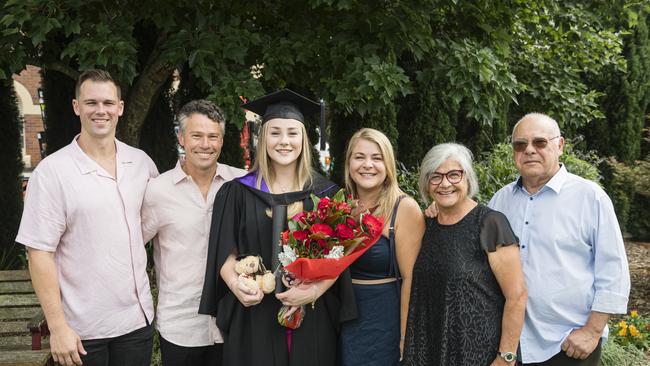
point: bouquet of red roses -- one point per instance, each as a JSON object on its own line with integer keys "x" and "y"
{"x": 323, "y": 242}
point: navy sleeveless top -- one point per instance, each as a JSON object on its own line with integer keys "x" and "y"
{"x": 374, "y": 263}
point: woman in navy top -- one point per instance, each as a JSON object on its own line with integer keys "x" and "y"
{"x": 381, "y": 277}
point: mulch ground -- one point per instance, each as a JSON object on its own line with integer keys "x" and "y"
{"x": 638, "y": 256}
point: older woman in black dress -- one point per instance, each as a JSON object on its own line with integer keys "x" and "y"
{"x": 468, "y": 295}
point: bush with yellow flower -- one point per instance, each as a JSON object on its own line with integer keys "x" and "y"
{"x": 634, "y": 330}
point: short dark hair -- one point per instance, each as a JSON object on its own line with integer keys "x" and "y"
{"x": 204, "y": 107}
{"x": 96, "y": 75}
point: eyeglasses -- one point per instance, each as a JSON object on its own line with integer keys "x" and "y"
{"x": 453, "y": 177}
{"x": 538, "y": 143}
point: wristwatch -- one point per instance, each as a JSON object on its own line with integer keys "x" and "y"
{"x": 508, "y": 356}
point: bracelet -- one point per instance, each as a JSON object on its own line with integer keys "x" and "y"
{"x": 402, "y": 338}
{"x": 313, "y": 302}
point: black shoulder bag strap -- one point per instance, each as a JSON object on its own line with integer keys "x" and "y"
{"x": 394, "y": 268}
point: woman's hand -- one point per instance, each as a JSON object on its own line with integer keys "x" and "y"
{"x": 431, "y": 211}
{"x": 299, "y": 294}
{"x": 246, "y": 295}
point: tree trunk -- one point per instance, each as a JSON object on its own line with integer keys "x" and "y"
{"x": 141, "y": 96}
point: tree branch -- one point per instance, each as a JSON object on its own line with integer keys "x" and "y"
{"x": 55, "y": 66}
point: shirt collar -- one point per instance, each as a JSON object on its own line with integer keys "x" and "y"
{"x": 87, "y": 165}
{"x": 223, "y": 172}
{"x": 555, "y": 183}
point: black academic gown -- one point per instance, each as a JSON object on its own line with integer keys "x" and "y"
{"x": 252, "y": 336}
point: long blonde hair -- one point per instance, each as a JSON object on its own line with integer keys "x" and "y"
{"x": 264, "y": 166}
{"x": 390, "y": 190}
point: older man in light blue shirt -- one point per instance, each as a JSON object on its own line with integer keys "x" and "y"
{"x": 571, "y": 250}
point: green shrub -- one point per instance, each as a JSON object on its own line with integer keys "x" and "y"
{"x": 496, "y": 168}
{"x": 629, "y": 188}
{"x": 614, "y": 354}
{"x": 408, "y": 182}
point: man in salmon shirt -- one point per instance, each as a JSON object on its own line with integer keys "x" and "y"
{"x": 176, "y": 213}
{"x": 81, "y": 226}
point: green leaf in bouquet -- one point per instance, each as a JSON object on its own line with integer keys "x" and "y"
{"x": 293, "y": 225}
{"x": 340, "y": 195}
{"x": 333, "y": 219}
{"x": 315, "y": 199}
{"x": 351, "y": 244}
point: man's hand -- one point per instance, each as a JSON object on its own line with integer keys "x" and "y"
{"x": 246, "y": 295}
{"x": 580, "y": 343}
{"x": 66, "y": 346}
{"x": 431, "y": 211}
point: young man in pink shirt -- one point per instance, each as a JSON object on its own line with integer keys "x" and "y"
{"x": 176, "y": 213}
{"x": 81, "y": 226}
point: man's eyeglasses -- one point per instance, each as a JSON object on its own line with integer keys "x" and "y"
{"x": 453, "y": 177}
{"x": 539, "y": 143}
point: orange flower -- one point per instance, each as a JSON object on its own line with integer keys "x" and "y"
{"x": 622, "y": 324}
{"x": 634, "y": 314}
{"x": 622, "y": 332}
{"x": 634, "y": 332}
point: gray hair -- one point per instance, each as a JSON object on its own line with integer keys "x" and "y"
{"x": 437, "y": 156}
{"x": 540, "y": 116}
{"x": 204, "y": 107}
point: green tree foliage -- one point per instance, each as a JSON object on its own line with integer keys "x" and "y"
{"x": 61, "y": 124}
{"x": 11, "y": 166}
{"x": 626, "y": 97}
{"x": 158, "y": 139}
{"x": 464, "y": 65}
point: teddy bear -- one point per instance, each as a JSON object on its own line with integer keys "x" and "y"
{"x": 254, "y": 275}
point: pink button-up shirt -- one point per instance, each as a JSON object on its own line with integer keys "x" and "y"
{"x": 91, "y": 221}
{"x": 175, "y": 211}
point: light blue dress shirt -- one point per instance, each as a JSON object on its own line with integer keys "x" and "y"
{"x": 572, "y": 255}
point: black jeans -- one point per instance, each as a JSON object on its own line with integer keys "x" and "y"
{"x": 561, "y": 359}
{"x": 131, "y": 349}
{"x": 174, "y": 355}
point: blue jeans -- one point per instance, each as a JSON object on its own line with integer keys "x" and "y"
{"x": 131, "y": 349}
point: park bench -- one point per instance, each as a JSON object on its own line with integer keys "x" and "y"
{"x": 23, "y": 330}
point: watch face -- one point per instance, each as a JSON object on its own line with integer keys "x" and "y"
{"x": 509, "y": 356}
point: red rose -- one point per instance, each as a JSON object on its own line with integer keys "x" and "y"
{"x": 323, "y": 229}
{"x": 323, "y": 204}
{"x": 301, "y": 235}
{"x": 299, "y": 217}
{"x": 373, "y": 224}
{"x": 285, "y": 236}
{"x": 350, "y": 222}
{"x": 322, "y": 243}
{"x": 344, "y": 207}
{"x": 343, "y": 232}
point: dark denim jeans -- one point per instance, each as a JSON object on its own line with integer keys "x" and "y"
{"x": 175, "y": 355}
{"x": 131, "y": 349}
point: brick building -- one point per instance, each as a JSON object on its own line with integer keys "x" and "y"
{"x": 27, "y": 85}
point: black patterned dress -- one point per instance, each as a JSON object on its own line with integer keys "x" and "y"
{"x": 456, "y": 303}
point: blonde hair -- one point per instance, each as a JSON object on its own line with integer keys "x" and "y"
{"x": 264, "y": 167}
{"x": 390, "y": 190}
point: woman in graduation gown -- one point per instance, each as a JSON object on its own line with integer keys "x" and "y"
{"x": 242, "y": 225}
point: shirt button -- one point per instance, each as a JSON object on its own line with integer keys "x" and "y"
{"x": 526, "y": 222}
{"x": 523, "y": 247}
{"x": 531, "y": 198}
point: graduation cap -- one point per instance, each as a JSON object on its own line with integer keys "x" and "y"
{"x": 288, "y": 104}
